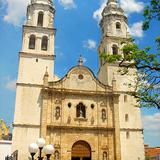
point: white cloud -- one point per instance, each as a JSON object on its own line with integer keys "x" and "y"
{"x": 84, "y": 60}
{"x": 129, "y": 6}
{"x": 11, "y": 85}
{"x": 136, "y": 29}
{"x": 152, "y": 122}
{"x": 90, "y": 44}
{"x": 67, "y": 4}
{"x": 97, "y": 14}
{"x": 16, "y": 10}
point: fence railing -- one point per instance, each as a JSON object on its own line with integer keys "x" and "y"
{"x": 14, "y": 156}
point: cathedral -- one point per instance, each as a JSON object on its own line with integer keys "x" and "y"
{"x": 85, "y": 117}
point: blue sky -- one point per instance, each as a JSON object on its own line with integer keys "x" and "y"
{"x": 78, "y": 33}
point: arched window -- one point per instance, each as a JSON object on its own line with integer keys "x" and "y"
{"x": 32, "y": 42}
{"x": 114, "y": 49}
{"x": 57, "y": 112}
{"x": 81, "y": 111}
{"x": 104, "y": 116}
{"x": 56, "y": 155}
{"x": 118, "y": 25}
{"x": 104, "y": 155}
{"x": 44, "y": 44}
{"x": 40, "y": 19}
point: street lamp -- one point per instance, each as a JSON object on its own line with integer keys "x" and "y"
{"x": 40, "y": 144}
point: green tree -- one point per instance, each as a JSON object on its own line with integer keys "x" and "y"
{"x": 147, "y": 89}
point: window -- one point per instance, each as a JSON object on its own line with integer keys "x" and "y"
{"x": 69, "y": 105}
{"x": 127, "y": 135}
{"x": 118, "y": 25}
{"x": 81, "y": 110}
{"x": 92, "y": 106}
{"x": 114, "y": 49}
{"x": 57, "y": 112}
{"x": 44, "y": 44}
{"x": 104, "y": 116}
{"x": 126, "y": 118}
{"x": 32, "y": 42}
{"x": 56, "y": 155}
{"x": 104, "y": 155}
{"x": 125, "y": 98}
{"x": 40, "y": 19}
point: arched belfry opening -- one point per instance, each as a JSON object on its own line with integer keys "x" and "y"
{"x": 81, "y": 150}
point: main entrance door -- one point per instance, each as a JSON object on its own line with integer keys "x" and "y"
{"x": 81, "y": 150}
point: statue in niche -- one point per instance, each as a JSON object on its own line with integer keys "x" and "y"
{"x": 104, "y": 116}
{"x": 57, "y": 112}
{"x": 56, "y": 155}
{"x": 104, "y": 155}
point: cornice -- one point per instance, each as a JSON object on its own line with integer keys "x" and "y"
{"x": 37, "y": 28}
{"x": 80, "y": 128}
{"x": 26, "y": 125}
{"x": 46, "y": 56}
{"x": 132, "y": 129}
{"x": 80, "y": 92}
{"x": 29, "y": 84}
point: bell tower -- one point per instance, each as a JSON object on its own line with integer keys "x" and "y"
{"x": 114, "y": 27}
{"x": 37, "y": 51}
{"x": 37, "y": 54}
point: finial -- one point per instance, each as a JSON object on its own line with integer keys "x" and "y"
{"x": 80, "y": 61}
{"x": 46, "y": 73}
{"x": 45, "y": 78}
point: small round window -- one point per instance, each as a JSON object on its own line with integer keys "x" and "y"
{"x": 80, "y": 76}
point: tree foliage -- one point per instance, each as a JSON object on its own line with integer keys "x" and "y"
{"x": 151, "y": 12}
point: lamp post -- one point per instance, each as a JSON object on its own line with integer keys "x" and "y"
{"x": 40, "y": 145}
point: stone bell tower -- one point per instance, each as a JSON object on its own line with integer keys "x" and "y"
{"x": 36, "y": 55}
{"x": 114, "y": 27}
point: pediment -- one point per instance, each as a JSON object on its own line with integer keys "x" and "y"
{"x": 80, "y": 78}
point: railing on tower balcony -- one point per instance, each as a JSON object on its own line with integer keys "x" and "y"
{"x": 14, "y": 156}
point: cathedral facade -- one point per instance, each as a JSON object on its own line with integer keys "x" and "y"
{"x": 84, "y": 117}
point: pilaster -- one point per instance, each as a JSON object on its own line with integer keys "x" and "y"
{"x": 117, "y": 127}
{"x": 43, "y": 130}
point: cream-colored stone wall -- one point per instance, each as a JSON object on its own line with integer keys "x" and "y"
{"x": 133, "y": 147}
{"x": 22, "y": 137}
{"x": 32, "y": 72}
{"x": 28, "y": 105}
{"x": 108, "y": 71}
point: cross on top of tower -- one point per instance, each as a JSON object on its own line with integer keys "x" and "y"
{"x": 80, "y": 61}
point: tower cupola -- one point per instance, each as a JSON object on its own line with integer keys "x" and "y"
{"x": 114, "y": 26}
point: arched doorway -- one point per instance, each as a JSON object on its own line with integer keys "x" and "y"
{"x": 81, "y": 150}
